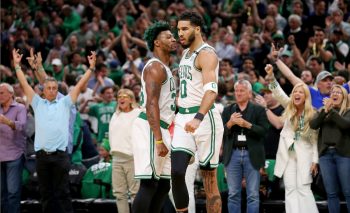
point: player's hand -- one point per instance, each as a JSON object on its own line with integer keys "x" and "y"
{"x": 192, "y": 125}
{"x": 162, "y": 150}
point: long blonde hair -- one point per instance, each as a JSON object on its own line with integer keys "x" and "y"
{"x": 291, "y": 111}
{"x": 345, "y": 103}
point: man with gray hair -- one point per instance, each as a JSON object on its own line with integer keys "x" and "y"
{"x": 51, "y": 136}
{"x": 13, "y": 118}
{"x": 245, "y": 126}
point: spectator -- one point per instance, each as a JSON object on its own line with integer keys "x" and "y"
{"x": 100, "y": 79}
{"x": 71, "y": 20}
{"x": 51, "y": 139}
{"x": 273, "y": 109}
{"x": 13, "y": 118}
{"x": 58, "y": 47}
{"x": 76, "y": 66}
{"x": 307, "y": 78}
{"x": 323, "y": 81}
{"x": 102, "y": 111}
{"x": 297, "y": 155}
{"x": 333, "y": 146}
{"x": 124, "y": 184}
{"x": 245, "y": 125}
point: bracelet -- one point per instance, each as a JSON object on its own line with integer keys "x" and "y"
{"x": 266, "y": 109}
{"x": 199, "y": 116}
{"x": 18, "y": 68}
{"x": 41, "y": 69}
{"x": 92, "y": 69}
{"x": 159, "y": 141}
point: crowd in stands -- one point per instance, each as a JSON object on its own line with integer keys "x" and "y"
{"x": 306, "y": 41}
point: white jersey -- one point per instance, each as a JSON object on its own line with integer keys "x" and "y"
{"x": 191, "y": 80}
{"x": 167, "y": 94}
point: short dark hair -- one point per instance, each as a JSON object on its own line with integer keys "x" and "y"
{"x": 99, "y": 66}
{"x": 227, "y": 61}
{"x": 153, "y": 31}
{"x": 315, "y": 58}
{"x": 103, "y": 90}
{"x": 193, "y": 17}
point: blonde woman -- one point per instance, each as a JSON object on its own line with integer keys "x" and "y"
{"x": 121, "y": 149}
{"x": 334, "y": 146}
{"x": 297, "y": 155}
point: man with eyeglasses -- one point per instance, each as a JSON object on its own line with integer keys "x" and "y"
{"x": 51, "y": 138}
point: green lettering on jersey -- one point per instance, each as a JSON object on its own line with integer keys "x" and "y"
{"x": 185, "y": 72}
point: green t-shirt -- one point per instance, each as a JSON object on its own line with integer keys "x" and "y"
{"x": 117, "y": 76}
{"x": 71, "y": 23}
{"x": 95, "y": 180}
{"x": 77, "y": 156}
{"x": 103, "y": 112}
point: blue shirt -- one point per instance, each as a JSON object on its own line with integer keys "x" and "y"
{"x": 72, "y": 116}
{"x": 317, "y": 98}
{"x": 51, "y": 123}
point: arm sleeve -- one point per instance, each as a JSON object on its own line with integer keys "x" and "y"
{"x": 318, "y": 119}
{"x": 21, "y": 118}
{"x": 279, "y": 94}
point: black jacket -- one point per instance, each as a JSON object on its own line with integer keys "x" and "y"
{"x": 256, "y": 115}
{"x": 334, "y": 128}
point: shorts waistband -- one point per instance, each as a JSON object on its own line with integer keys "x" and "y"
{"x": 191, "y": 110}
{"x": 163, "y": 124}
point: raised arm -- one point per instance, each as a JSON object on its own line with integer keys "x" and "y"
{"x": 154, "y": 76}
{"x": 35, "y": 62}
{"x": 275, "y": 120}
{"x": 282, "y": 67}
{"x": 276, "y": 89}
{"x": 28, "y": 90}
{"x": 76, "y": 91}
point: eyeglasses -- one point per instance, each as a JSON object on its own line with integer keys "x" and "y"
{"x": 336, "y": 92}
{"x": 123, "y": 96}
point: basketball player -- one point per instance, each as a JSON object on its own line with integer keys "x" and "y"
{"x": 198, "y": 125}
{"x": 151, "y": 137}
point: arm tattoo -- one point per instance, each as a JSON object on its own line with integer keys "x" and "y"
{"x": 152, "y": 105}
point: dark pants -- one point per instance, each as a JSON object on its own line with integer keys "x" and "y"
{"x": 53, "y": 177}
{"x": 11, "y": 183}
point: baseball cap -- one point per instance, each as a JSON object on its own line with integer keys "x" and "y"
{"x": 287, "y": 53}
{"x": 322, "y": 75}
{"x": 277, "y": 36}
{"x": 265, "y": 90}
{"x": 56, "y": 62}
{"x": 113, "y": 64}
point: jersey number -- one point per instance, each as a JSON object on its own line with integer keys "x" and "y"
{"x": 183, "y": 89}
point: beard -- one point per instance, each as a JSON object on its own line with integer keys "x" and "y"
{"x": 191, "y": 38}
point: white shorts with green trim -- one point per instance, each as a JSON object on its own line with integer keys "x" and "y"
{"x": 147, "y": 163}
{"x": 206, "y": 140}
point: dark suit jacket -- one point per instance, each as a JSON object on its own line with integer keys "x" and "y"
{"x": 256, "y": 115}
